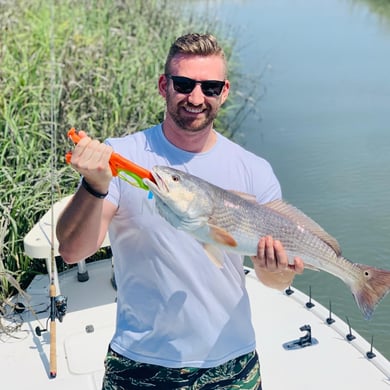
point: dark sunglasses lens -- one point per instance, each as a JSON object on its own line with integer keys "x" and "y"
{"x": 183, "y": 84}
{"x": 212, "y": 88}
{"x": 187, "y": 85}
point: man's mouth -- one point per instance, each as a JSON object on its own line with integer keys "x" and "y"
{"x": 194, "y": 110}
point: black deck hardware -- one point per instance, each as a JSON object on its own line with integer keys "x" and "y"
{"x": 349, "y": 336}
{"x": 370, "y": 354}
{"x": 310, "y": 304}
{"x": 19, "y": 307}
{"x": 82, "y": 272}
{"x": 302, "y": 342}
{"x": 289, "y": 291}
{"x": 330, "y": 320}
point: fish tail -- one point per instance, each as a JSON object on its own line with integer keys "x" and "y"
{"x": 371, "y": 288}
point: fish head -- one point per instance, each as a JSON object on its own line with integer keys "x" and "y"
{"x": 182, "y": 199}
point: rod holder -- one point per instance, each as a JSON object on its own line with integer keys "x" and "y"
{"x": 305, "y": 341}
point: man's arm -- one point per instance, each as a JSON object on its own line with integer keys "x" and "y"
{"x": 271, "y": 264}
{"x": 83, "y": 224}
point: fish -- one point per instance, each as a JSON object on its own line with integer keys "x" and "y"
{"x": 224, "y": 220}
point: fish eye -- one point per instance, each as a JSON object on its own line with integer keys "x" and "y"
{"x": 175, "y": 177}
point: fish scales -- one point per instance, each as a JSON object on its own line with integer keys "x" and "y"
{"x": 247, "y": 221}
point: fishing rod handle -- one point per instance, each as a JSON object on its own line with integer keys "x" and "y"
{"x": 53, "y": 335}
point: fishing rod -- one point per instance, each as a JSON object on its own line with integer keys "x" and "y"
{"x": 52, "y": 288}
{"x": 58, "y": 303}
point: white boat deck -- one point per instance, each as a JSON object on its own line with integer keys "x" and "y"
{"x": 84, "y": 334}
{"x": 80, "y": 351}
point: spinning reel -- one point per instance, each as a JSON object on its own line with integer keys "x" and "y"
{"x": 60, "y": 306}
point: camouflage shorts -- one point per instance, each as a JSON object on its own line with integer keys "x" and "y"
{"x": 125, "y": 374}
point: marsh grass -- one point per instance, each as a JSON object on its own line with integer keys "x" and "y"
{"x": 89, "y": 64}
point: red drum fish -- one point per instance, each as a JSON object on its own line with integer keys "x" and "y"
{"x": 227, "y": 221}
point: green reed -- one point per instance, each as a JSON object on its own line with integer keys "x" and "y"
{"x": 89, "y": 64}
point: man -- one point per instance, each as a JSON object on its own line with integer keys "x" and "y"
{"x": 182, "y": 323}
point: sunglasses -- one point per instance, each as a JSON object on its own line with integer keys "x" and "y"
{"x": 186, "y": 85}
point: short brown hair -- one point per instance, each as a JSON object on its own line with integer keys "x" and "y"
{"x": 194, "y": 44}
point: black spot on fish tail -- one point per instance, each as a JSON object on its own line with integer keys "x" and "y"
{"x": 371, "y": 288}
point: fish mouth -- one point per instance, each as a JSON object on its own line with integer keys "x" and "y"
{"x": 158, "y": 185}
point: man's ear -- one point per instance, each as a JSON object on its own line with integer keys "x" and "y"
{"x": 162, "y": 85}
{"x": 225, "y": 92}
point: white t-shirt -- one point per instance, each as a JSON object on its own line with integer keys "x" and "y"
{"x": 175, "y": 308}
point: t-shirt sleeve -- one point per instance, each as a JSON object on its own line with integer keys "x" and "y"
{"x": 269, "y": 186}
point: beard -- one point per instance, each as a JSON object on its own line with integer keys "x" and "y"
{"x": 192, "y": 125}
{"x": 186, "y": 121}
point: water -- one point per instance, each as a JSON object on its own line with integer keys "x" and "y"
{"x": 323, "y": 69}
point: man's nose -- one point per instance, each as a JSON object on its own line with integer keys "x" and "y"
{"x": 196, "y": 97}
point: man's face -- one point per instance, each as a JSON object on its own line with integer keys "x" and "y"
{"x": 194, "y": 111}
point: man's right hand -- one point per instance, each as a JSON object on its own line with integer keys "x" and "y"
{"x": 91, "y": 159}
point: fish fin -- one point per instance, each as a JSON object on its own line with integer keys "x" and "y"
{"x": 214, "y": 254}
{"x": 304, "y": 222}
{"x": 311, "y": 267}
{"x": 371, "y": 288}
{"x": 221, "y": 236}
{"x": 245, "y": 195}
